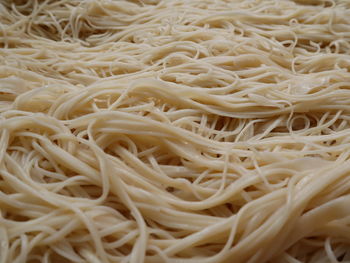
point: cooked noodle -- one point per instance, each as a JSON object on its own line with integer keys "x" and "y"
{"x": 174, "y": 131}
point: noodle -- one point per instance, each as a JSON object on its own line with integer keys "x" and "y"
{"x": 174, "y": 131}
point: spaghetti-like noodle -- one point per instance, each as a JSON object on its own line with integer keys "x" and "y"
{"x": 174, "y": 131}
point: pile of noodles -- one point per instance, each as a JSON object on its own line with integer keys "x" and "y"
{"x": 174, "y": 131}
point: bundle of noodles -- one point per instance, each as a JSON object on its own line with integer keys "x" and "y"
{"x": 174, "y": 131}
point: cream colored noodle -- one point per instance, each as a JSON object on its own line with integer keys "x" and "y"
{"x": 174, "y": 131}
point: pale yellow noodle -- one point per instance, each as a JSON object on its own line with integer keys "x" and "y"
{"x": 174, "y": 131}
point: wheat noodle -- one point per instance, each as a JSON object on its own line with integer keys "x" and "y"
{"x": 174, "y": 131}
